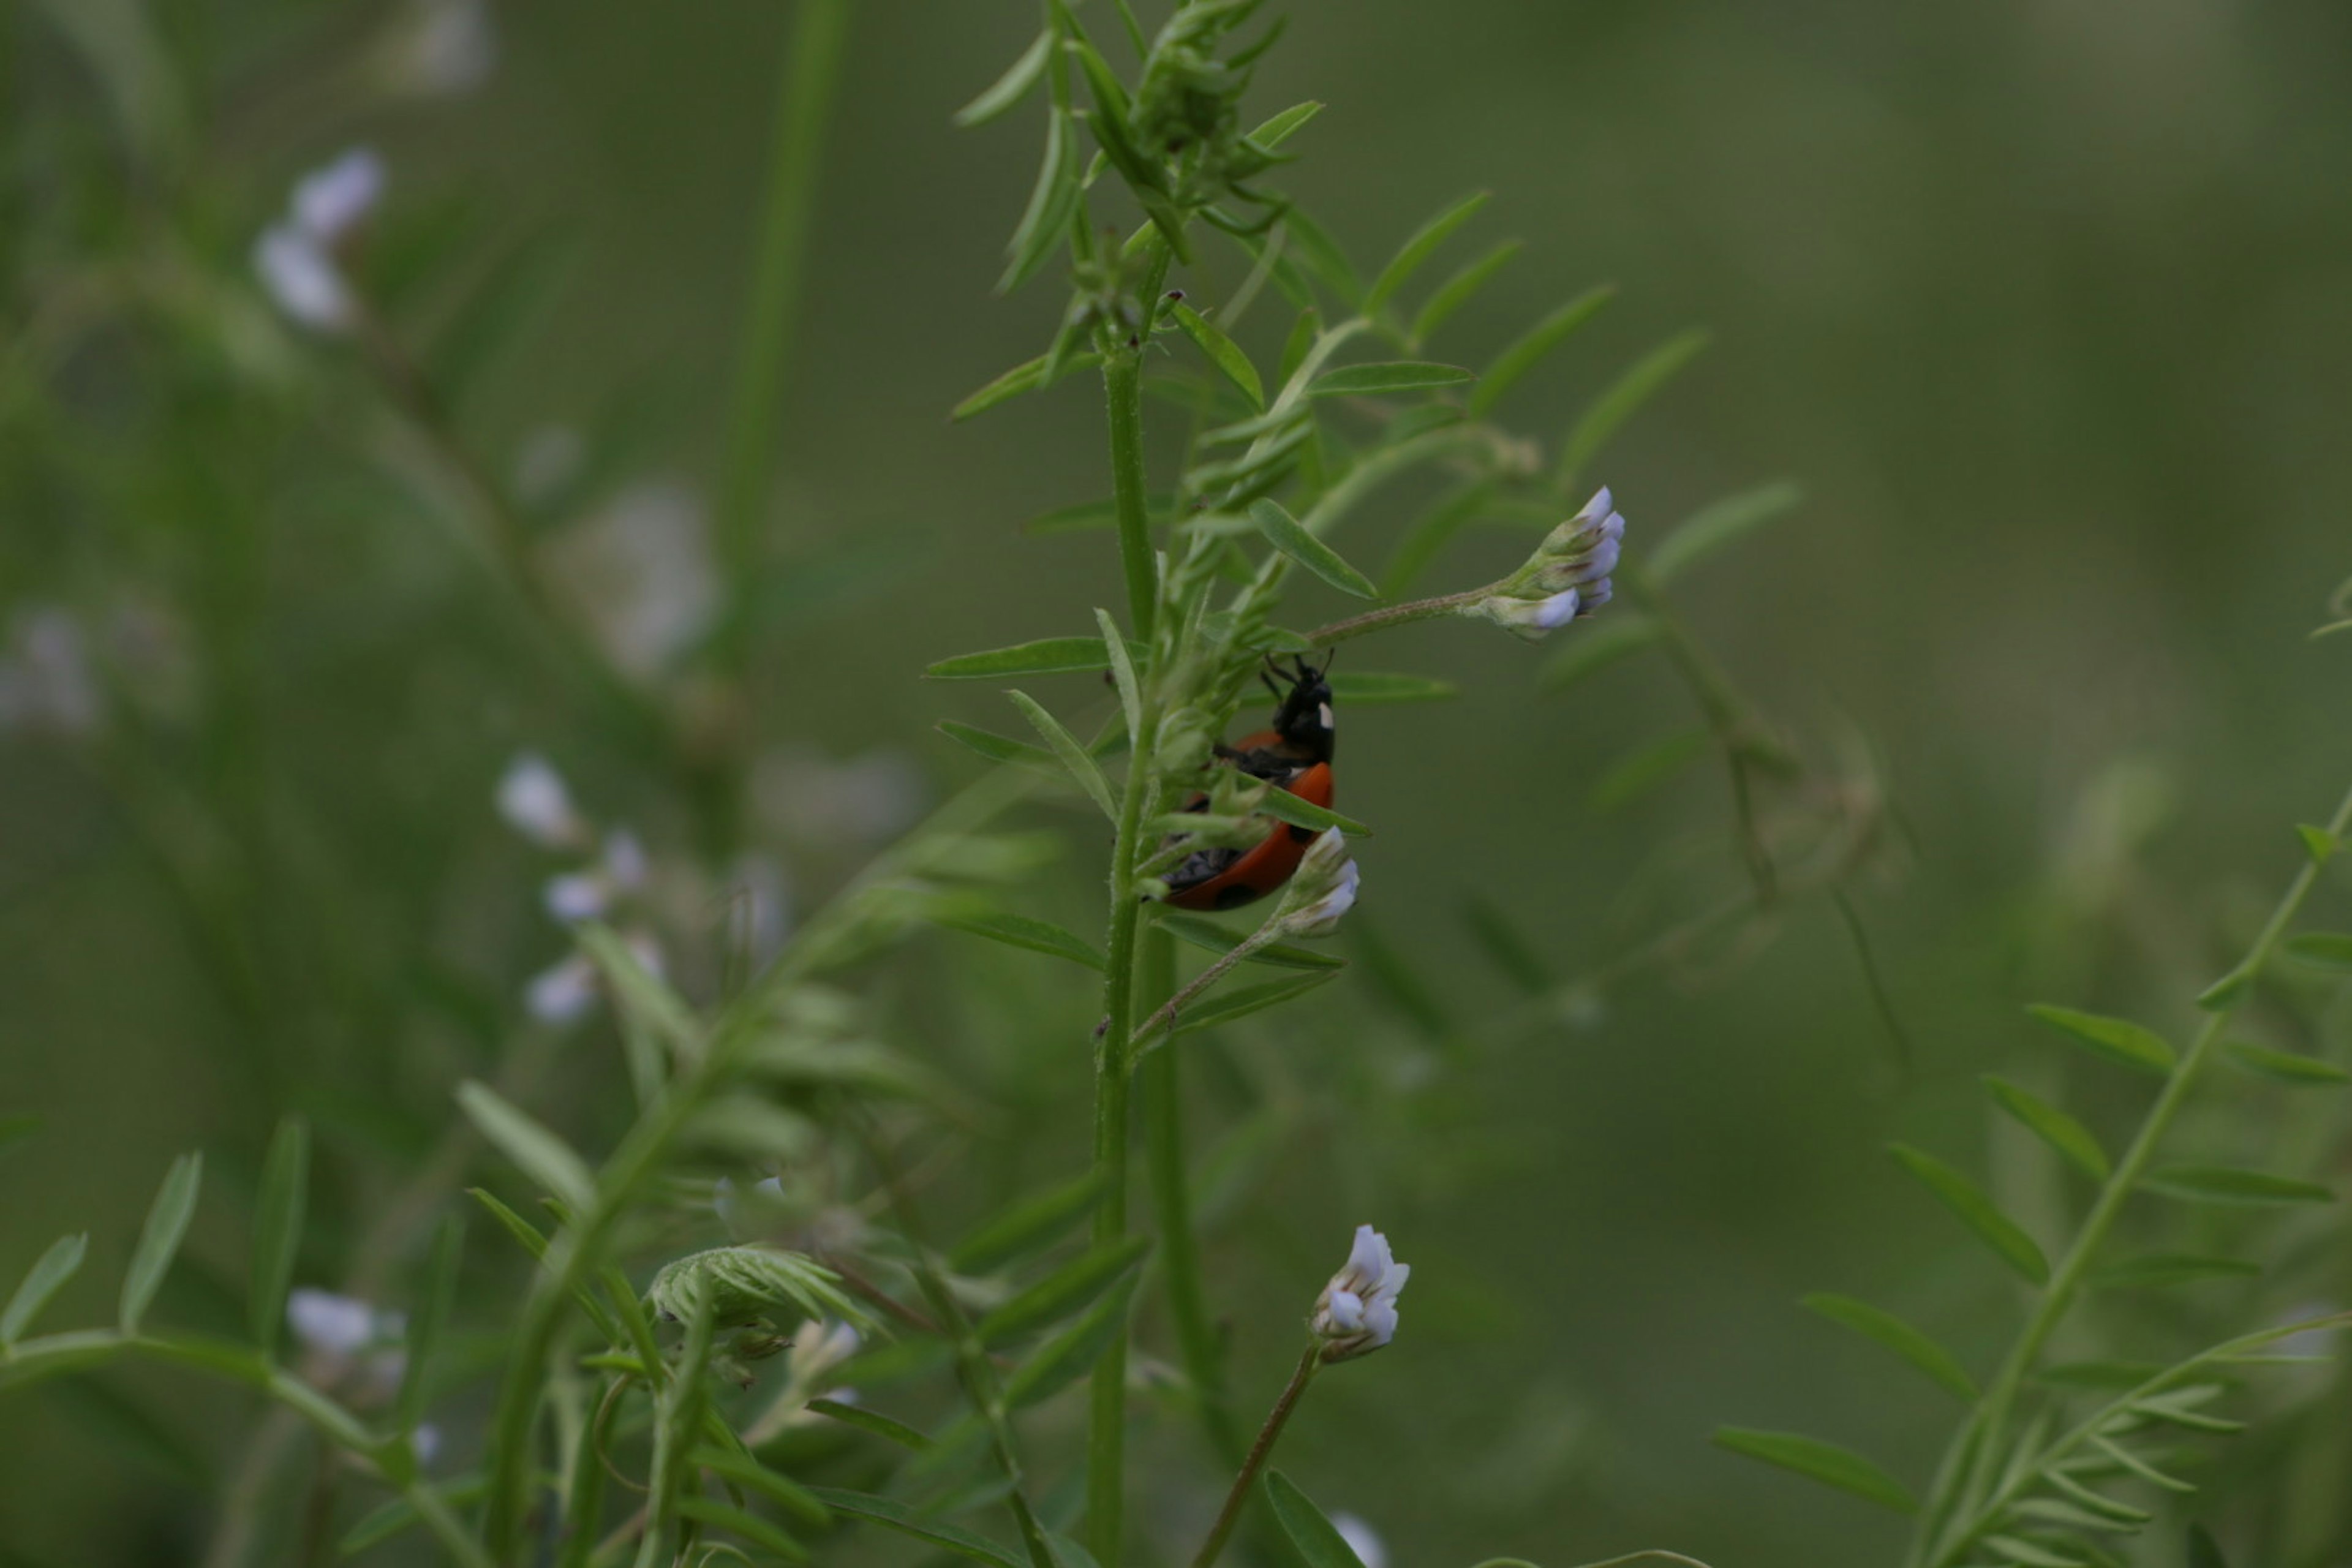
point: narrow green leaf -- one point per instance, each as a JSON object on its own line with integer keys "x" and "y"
{"x": 1069, "y": 1288}
{"x": 426, "y": 1324}
{"x": 1824, "y": 1462}
{"x": 1642, "y": 381}
{"x": 1028, "y": 377}
{"x": 2284, "y": 1066}
{"x": 1617, "y": 638}
{"x": 526, "y": 1234}
{"x": 2027, "y": 1553}
{"x": 2157, "y": 1270}
{"x": 1072, "y": 1353}
{"x": 1887, "y": 1329}
{"x": 1207, "y": 934}
{"x": 1528, "y": 351}
{"x": 277, "y": 1230}
{"x": 1718, "y": 525}
{"x": 538, "y": 1153}
{"x": 1074, "y": 755}
{"x": 1020, "y": 930}
{"x": 2107, "y": 1507}
{"x": 1027, "y": 1225}
{"x": 1643, "y": 770}
{"x": 397, "y": 1516}
{"x": 1506, "y": 946}
{"x": 1284, "y": 533}
{"x": 2204, "y": 1552}
{"x": 897, "y": 1516}
{"x": 1398, "y": 376}
{"x": 1364, "y": 687}
{"x": 1001, "y": 747}
{"x": 1223, "y": 1007}
{"x": 1285, "y": 806}
{"x": 1222, "y": 352}
{"x": 2072, "y": 1140}
{"x": 2227, "y": 1185}
{"x": 43, "y": 1280}
{"x": 874, "y": 1422}
{"x": 742, "y": 1523}
{"x": 159, "y": 1243}
{"x": 1122, "y": 671}
{"x": 1975, "y": 1210}
{"x": 2141, "y": 1468}
{"x": 2322, "y": 950}
{"x": 2318, "y": 843}
{"x": 1011, "y": 86}
{"x": 1323, "y": 256}
{"x": 1273, "y": 133}
{"x": 1318, "y": 1541}
{"x": 1460, "y": 289}
{"x": 2097, "y": 1376}
{"x": 1047, "y": 220}
{"x": 2223, "y": 993}
{"x": 1420, "y": 249}
{"x": 2115, "y": 1038}
{"x": 1047, "y": 656}
{"x": 642, "y": 995}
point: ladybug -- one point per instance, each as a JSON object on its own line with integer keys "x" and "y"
{"x": 1294, "y": 755}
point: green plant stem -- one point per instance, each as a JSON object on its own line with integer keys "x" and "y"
{"x": 1180, "y": 1245}
{"x": 1390, "y": 616}
{"x": 1123, "y": 401}
{"x": 1310, "y": 1361}
{"x": 811, "y": 73}
{"x": 1991, "y": 1418}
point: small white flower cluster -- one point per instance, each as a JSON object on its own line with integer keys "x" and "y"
{"x": 604, "y": 882}
{"x": 1322, "y": 890}
{"x": 639, "y": 570}
{"x": 1356, "y": 1313}
{"x": 352, "y": 1344}
{"x": 1567, "y": 577}
{"x": 301, "y": 257}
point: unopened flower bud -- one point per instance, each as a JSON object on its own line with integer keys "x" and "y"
{"x": 1322, "y": 890}
{"x": 1566, "y": 576}
{"x": 535, "y": 803}
{"x": 1356, "y": 1313}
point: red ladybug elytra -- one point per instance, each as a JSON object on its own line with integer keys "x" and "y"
{"x": 1294, "y": 755}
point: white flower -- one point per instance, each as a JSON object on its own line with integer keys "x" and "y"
{"x": 575, "y": 896}
{"x": 1356, "y": 1313}
{"x": 48, "y": 680}
{"x": 563, "y": 993}
{"x": 1568, "y": 576}
{"x": 330, "y": 1325}
{"x": 535, "y": 803}
{"x": 297, "y": 256}
{"x": 641, "y": 572}
{"x": 625, "y": 861}
{"x": 425, "y": 1443}
{"x": 329, "y": 204}
{"x": 1362, "y": 1539}
{"x": 1322, "y": 890}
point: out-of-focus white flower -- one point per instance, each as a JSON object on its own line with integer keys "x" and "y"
{"x": 442, "y": 47}
{"x": 425, "y": 1444}
{"x": 299, "y": 257}
{"x": 563, "y": 993}
{"x": 1356, "y": 1313}
{"x": 575, "y": 896}
{"x": 351, "y": 1344}
{"x": 536, "y": 803}
{"x": 1322, "y": 890}
{"x": 47, "y": 679}
{"x": 1362, "y": 1539}
{"x": 625, "y": 861}
{"x": 813, "y": 799}
{"x": 641, "y": 572}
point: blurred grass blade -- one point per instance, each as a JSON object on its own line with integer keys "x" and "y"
{"x": 1073, "y": 756}
{"x": 1226, "y": 1006}
{"x": 1430, "y": 533}
{"x": 1524, "y": 354}
{"x": 1222, "y": 352}
{"x": 1646, "y": 768}
{"x": 427, "y": 1323}
{"x": 1594, "y": 649}
{"x": 1047, "y": 656}
{"x": 1717, "y": 526}
{"x": 1506, "y": 946}
{"x": 1420, "y": 249}
{"x": 642, "y": 993}
{"x": 743, "y": 1524}
{"x": 2116, "y": 1038}
{"x": 1385, "y": 376}
{"x": 1976, "y": 1211}
{"x": 1011, "y": 86}
{"x": 2318, "y": 843}
{"x": 874, "y": 1422}
{"x": 2160, "y": 1270}
{"x": 526, "y": 1234}
{"x": 2070, "y": 1137}
{"x": 1020, "y": 930}
{"x": 897, "y": 1516}
{"x": 2226, "y": 1185}
{"x": 1072, "y": 1353}
{"x": 1892, "y": 1333}
{"x": 1642, "y": 381}
{"x": 1824, "y": 1462}
{"x": 2282, "y": 1067}
{"x": 1069, "y": 1288}
{"x": 1396, "y": 979}
{"x": 1323, "y": 257}
{"x": 1001, "y": 747}
{"x": 1210, "y": 937}
{"x": 1318, "y": 1541}
{"x": 48, "y": 1273}
{"x": 277, "y": 1230}
{"x": 2322, "y": 950}
{"x": 1460, "y": 289}
{"x": 1367, "y": 688}
{"x": 1029, "y": 376}
{"x": 159, "y": 1243}
{"x": 742, "y": 1466}
{"x": 1027, "y": 1225}
{"x": 1047, "y": 220}
{"x": 538, "y": 1153}
{"x": 1284, "y": 533}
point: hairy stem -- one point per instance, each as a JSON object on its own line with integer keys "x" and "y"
{"x": 1992, "y": 1416}
{"x": 1123, "y": 400}
{"x": 1388, "y": 615}
{"x": 1310, "y": 1361}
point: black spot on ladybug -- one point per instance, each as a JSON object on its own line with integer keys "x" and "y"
{"x": 1301, "y": 834}
{"x": 1235, "y": 897}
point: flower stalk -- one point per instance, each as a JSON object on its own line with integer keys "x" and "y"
{"x": 1311, "y": 1362}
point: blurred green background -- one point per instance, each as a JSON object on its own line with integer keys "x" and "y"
{"x": 2044, "y": 303}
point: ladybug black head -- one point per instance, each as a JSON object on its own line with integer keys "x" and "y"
{"x": 1303, "y": 720}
